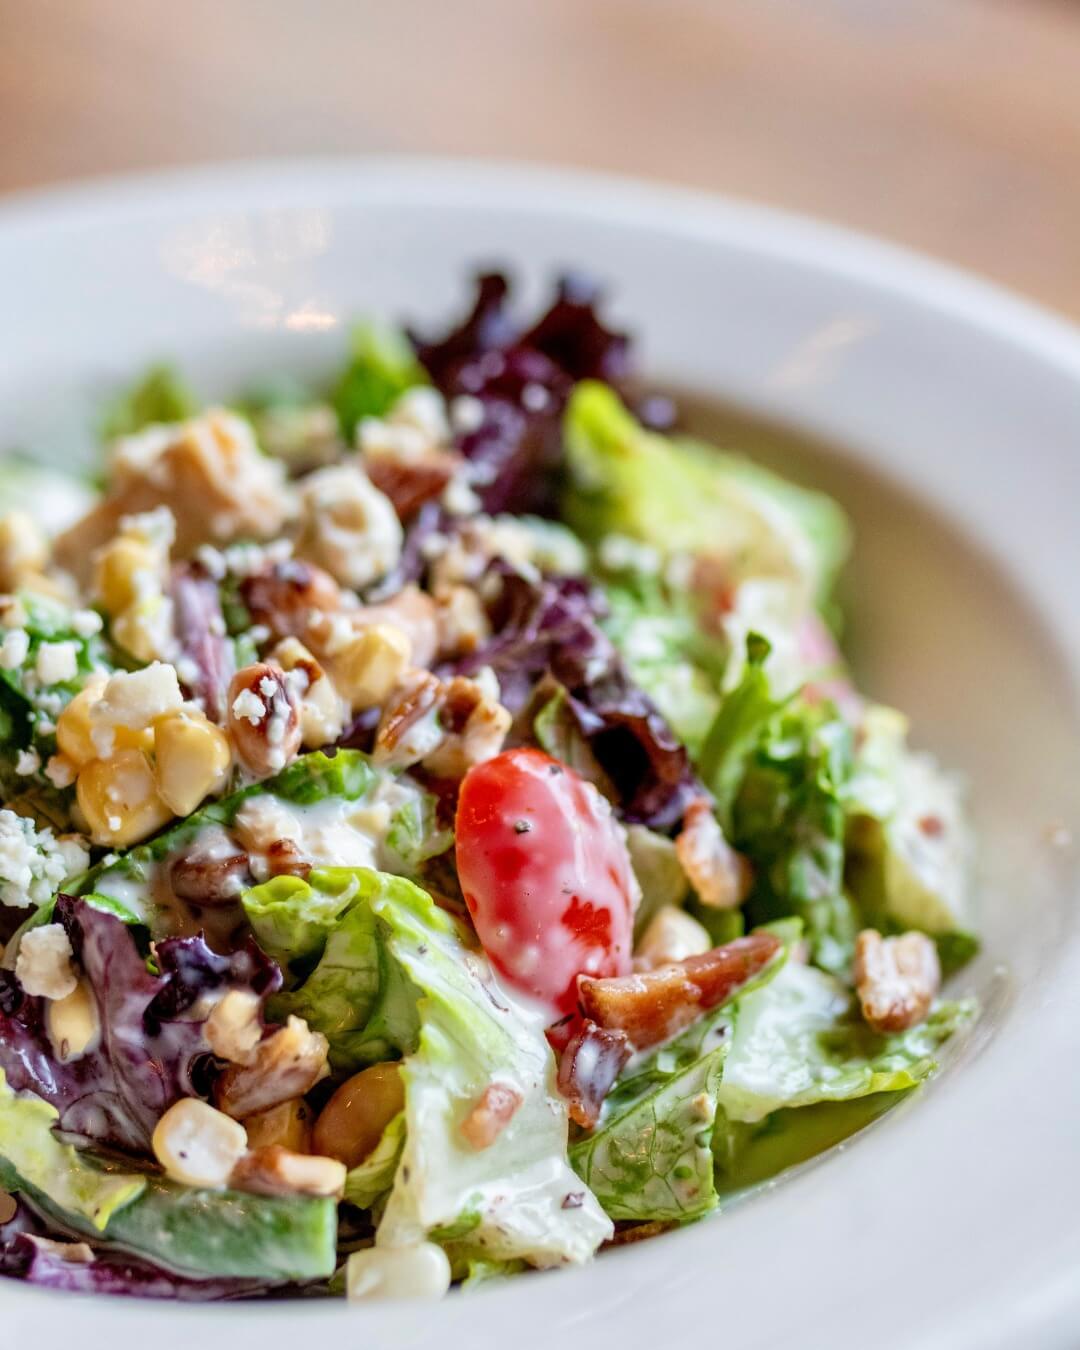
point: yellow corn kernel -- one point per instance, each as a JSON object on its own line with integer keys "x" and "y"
{"x": 119, "y": 799}
{"x": 73, "y": 724}
{"x": 192, "y": 759}
{"x": 369, "y": 665}
{"x": 125, "y": 570}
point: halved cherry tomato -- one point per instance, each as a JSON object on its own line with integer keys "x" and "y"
{"x": 546, "y": 875}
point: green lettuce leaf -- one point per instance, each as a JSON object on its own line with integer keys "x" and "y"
{"x": 33, "y": 1159}
{"x": 382, "y": 365}
{"x": 909, "y": 846}
{"x": 736, "y": 730}
{"x": 358, "y": 994}
{"x": 504, "y": 1202}
{"x": 371, "y": 1180}
{"x": 679, "y": 495}
{"x": 651, "y": 1158}
{"x": 188, "y": 1231}
{"x": 788, "y": 817}
{"x": 800, "y": 1040}
{"x": 160, "y": 395}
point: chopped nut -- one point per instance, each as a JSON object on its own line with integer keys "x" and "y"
{"x": 264, "y": 719}
{"x": 285, "y": 1065}
{"x": 197, "y": 1145}
{"x": 210, "y": 473}
{"x": 409, "y": 728}
{"x": 476, "y": 725}
{"x": 896, "y": 978}
{"x": 654, "y": 1005}
{"x": 234, "y": 1028}
{"x": 720, "y": 876}
{"x": 323, "y": 711}
{"x": 291, "y": 597}
{"x": 274, "y": 1170}
{"x": 212, "y": 872}
{"x": 491, "y": 1114}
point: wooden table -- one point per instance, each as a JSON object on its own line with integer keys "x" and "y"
{"x": 950, "y": 125}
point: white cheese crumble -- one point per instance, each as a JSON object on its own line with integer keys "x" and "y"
{"x": 44, "y": 966}
{"x": 466, "y": 414}
{"x": 249, "y": 705}
{"x": 350, "y": 527}
{"x": 57, "y": 662}
{"x": 133, "y": 699}
{"x": 86, "y": 622}
{"x": 14, "y": 648}
{"x": 32, "y": 863}
{"x": 27, "y": 762}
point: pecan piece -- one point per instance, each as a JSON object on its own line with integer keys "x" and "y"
{"x": 211, "y": 874}
{"x": 285, "y": 1065}
{"x": 284, "y": 596}
{"x": 656, "y": 1004}
{"x": 896, "y": 978}
{"x": 274, "y": 1170}
{"x": 264, "y": 718}
{"x": 409, "y": 483}
{"x": 721, "y": 877}
{"x": 490, "y": 1114}
{"x": 588, "y": 1066}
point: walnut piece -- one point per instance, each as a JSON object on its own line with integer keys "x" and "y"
{"x": 896, "y": 978}
{"x": 588, "y": 1067}
{"x": 274, "y": 1170}
{"x": 285, "y": 1065}
{"x": 721, "y": 877}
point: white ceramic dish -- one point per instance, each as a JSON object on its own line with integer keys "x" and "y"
{"x": 956, "y": 1221}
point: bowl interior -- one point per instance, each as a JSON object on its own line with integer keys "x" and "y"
{"x": 941, "y": 415}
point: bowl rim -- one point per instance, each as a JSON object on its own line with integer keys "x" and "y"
{"x": 889, "y": 269}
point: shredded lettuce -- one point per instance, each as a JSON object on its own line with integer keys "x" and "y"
{"x": 370, "y": 1181}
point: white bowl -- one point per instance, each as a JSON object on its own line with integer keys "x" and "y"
{"x": 952, "y": 413}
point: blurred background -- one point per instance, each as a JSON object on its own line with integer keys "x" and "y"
{"x": 949, "y": 125}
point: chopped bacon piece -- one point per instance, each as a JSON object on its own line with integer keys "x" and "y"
{"x": 588, "y": 1066}
{"x": 491, "y": 1114}
{"x": 656, "y": 1004}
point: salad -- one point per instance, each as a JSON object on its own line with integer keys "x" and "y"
{"x": 440, "y": 835}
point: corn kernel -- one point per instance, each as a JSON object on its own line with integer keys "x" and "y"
{"x": 119, "y": 799}
{"x": 198, "y": 1145}
{"x": 125, "y": 571}
{"x": 192, "y": 759}
{"x": 73, "y": 724}
{"x": 367, "y": 668}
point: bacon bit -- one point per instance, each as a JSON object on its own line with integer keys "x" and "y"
{"x": 491, "y": 1114}
{"x": 411, "y": 483}
{"x": 932, "y": 826}
{"x": 638, "y": 1232}
{"x": 651, "y": 1006}
{"x": 588, "y": 1067}
{"x": 721, "y": 877}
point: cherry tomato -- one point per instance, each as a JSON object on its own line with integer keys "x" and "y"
{"x": 546, "y": 875}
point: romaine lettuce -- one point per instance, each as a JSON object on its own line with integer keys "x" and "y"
{"x": 512, "y": 1199}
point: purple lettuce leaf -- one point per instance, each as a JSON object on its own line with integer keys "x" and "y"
{"x": 152, "y": 1048}
{"x": 200, "y": 633}
{"x": 548, "y": 628}
{"x": 42, "y": 1254}
{"x": 522, "y": 378}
